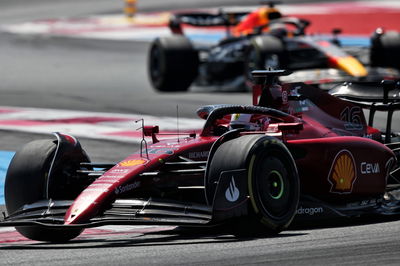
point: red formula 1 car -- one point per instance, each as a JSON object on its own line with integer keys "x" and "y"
{"x": 298, "y": 151}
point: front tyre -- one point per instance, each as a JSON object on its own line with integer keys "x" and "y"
{"x": 26, "y": 183}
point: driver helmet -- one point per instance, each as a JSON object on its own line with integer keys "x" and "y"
{"x": 249, "y": 122}
{"x": 270, "y": 13}
{"x": 257, "y": 18}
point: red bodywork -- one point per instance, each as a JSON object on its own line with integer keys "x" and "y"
{"x": 124, "y": 177}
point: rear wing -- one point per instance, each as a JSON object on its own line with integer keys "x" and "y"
{"x": 204, "y": 19}
{"x": 373, "y": 96}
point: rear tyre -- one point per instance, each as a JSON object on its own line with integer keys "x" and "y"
{"x": 385, "y": 49}
{"x": 264, "y": 52}
{"x": 26, "y": 183}
{"x": 172, "y": 64}
{"x": 273, "y": 181}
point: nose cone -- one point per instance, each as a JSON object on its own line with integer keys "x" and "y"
{"x": 350, "y": 65}
{"x": 81, "y": 211}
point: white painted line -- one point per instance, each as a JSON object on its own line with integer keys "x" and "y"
{"x": 6, "y": 229}
{"x": 96, "y": 125}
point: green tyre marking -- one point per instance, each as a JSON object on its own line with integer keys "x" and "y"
{"x": 282, "y": 186}
{"x": 250, "y": 183}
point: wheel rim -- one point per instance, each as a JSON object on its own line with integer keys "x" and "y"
{"x": 274, "y": 188}
{"x": 276, "y": 185}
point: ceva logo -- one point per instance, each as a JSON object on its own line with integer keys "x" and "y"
{"x": 232, "y": 192}
{"x": 370, "y": 168}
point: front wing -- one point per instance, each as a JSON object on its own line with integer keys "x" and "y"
{"x": 122, "y": 212}
{"x": 150, "y": 211}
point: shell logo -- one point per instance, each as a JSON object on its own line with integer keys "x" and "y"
{"x": 343, "y": 173}
{"x": 128, "y": 163}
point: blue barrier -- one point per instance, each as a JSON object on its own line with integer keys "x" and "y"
{"x": 5, "y": 158}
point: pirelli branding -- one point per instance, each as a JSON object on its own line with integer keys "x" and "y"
{"x": 343, "y": 173}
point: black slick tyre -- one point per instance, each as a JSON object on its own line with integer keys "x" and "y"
{"x": 273, "y": 184}
{"x": 272, "y": 177}
{"x": 26, "y": 183}
{"x": 172, "y": 63}
{"x": 385, "y": 49}
{"x": 263, "y": 52}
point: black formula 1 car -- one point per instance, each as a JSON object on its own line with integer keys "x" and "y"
{"x": 298, "y": 151}
{"x": 175, "y": 62}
